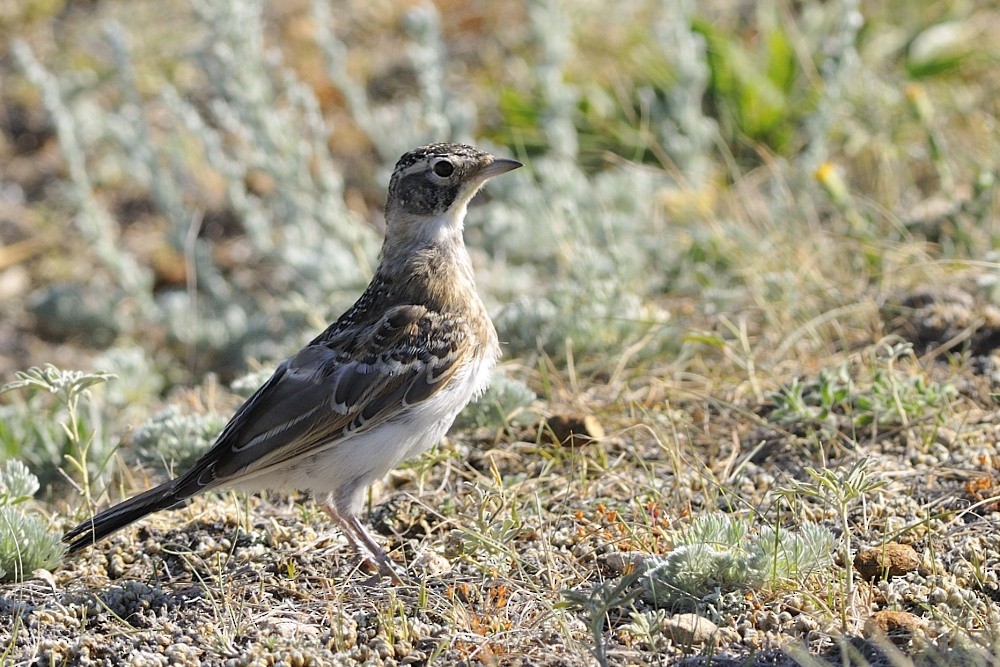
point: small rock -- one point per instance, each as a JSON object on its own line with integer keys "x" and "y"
{"x": 415, "y": 658}
{"x": 618, "y": 563}
{"x": 14, "y": 282}
{"x": 898, "y": 626}
{"x": 42, "y": 574}
{"x": 946, "y": 436}
{"x": 293, "y": 629}
{"x": 259, "y": 182}
{"x": 690, "y": 630}
{"x": 574, "y": 429}
{"x": 170, "y": 268}
{"x": 890, "y": 560}
{"x": 430, "y": 564}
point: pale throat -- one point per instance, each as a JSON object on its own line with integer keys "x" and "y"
{"x": 443, "y": 231}
{"x": 432, "y": 247}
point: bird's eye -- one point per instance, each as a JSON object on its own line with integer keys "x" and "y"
{"x": 443, "y": 168}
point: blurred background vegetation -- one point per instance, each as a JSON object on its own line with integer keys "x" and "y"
{"x": 720, "y": 192}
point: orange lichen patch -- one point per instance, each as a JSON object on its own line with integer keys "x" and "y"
{"x": 985, "y": 488}
{"x": 643, "y": 530}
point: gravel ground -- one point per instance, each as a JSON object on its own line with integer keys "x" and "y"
{"x": 497, "y": 530}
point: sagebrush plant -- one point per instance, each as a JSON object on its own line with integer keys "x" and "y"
{"x": 70, "y": 432}
{"x": 434, "y": 112}
{"x": 718, "y": 554}
{"x": 25, "y": 542}
{"x": 174, "y": 438}
{"x": 575, "y": 238}
{"x": 262, "y": 121}
{"x": 138, "y": 379}
{"x": 504, "y": 401}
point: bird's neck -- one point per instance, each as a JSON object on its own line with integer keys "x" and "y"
{"x": 436, "y": 272}
{"x": 406, "y": 230}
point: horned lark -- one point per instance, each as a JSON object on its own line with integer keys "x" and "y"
{"x": 381, "y": 385}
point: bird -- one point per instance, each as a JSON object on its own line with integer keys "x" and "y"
{"x": 380, "y": 385}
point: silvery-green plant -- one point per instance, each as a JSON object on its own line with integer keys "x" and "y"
{"x": 137, "y": 379}
{"x": 260, "y": 119}
{"x": 684, "y": 130}
{"x": 840, "y": 70}
{"x": 579, "y": 241}
{"x": 28, "y": 432}
{"x": 173, "y": 437}
{"x": 25, "y": 543}
{"x": 245, "y": 385}
{"x": 578, "y": 264}
{"x": 646, "y": 627}
{"x": 17, "y": 484}
{"x": 435, "y": 111}
{"x": 93, "y": 221}
{"x": 84, "y": 445}
{"x": 720, "y": 554}
{"x": 584, "y": 238}
{"x": 273, "y": 122}
{"x": 498, "y": 405}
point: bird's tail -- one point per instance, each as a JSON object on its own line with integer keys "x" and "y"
{"x": 117, "y": 517}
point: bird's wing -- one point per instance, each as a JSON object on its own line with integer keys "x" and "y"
{"x": 335, "y": 387}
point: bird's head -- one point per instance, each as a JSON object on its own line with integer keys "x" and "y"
{"x": 431, "y": 187}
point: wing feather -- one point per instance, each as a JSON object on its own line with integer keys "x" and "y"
{"x": 332, "y": 389}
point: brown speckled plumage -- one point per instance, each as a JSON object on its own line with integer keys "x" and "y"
{"x": 381, "y": 384}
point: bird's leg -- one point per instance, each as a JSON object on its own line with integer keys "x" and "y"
{"x": 334, "y": 515}
{"x": 385, "y": 565}
{"x": 366, "y": 546}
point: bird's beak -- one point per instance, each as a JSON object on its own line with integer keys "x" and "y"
{"x": 498, "y": 166}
